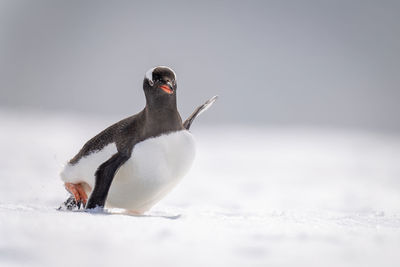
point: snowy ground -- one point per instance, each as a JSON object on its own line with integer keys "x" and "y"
{"x": 254, "y": 197}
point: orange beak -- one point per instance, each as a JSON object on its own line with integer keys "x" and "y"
{"x": 166, "y": 89}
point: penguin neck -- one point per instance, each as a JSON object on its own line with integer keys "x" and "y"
{"x": 162, "y": 115}
{"x": 154, "y": 106}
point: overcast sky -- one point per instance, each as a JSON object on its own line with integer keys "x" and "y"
{"x": 324, "y": 63}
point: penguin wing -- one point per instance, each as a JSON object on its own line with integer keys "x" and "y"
{"x": 198, "y": 111}
{"x": 104, "y": 177}
{"x": 125, "y": 138}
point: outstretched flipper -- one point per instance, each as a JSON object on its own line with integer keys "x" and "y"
{"x": 198, "y": 111}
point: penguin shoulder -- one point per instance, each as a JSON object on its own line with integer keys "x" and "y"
{"x": 121, "y": 133}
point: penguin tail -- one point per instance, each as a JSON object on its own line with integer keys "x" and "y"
{"x": 198, "y": 111}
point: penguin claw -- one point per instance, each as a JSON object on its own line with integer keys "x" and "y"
{"x": 77, "y": 200}
{"x": 80, "y": 205}
{"x": 78, "y": 193}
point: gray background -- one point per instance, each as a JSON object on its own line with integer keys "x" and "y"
{"x": 321, "y": 63}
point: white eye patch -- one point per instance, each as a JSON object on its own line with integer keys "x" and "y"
{"x": 149, "y": 76}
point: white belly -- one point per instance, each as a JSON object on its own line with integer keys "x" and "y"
{"x": 155, "y": 167}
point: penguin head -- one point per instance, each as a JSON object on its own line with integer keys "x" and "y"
{"x": 160, "y": 82}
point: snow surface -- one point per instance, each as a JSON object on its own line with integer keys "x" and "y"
{"x": 254, "y": 197}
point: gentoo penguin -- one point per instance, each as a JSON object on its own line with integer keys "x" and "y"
{"x": 135, "y": 162}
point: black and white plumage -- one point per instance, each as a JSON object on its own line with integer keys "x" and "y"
{"x": 135, "y": 162}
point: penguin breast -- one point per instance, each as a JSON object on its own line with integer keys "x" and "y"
{"x": 154, "y": 168}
